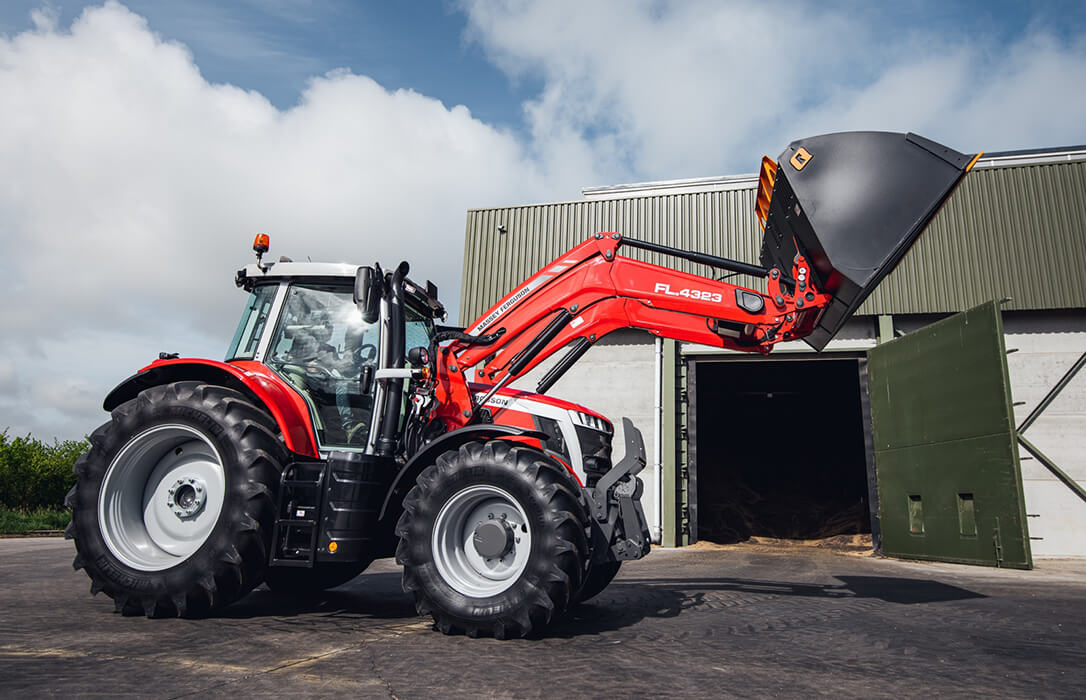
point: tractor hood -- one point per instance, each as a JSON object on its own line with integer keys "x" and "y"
{"x": 852, "y": 204}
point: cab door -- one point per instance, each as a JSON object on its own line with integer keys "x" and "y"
{"x": 945, "y": 447}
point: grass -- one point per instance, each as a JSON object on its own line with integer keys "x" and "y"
{"x": 17, "y": 522}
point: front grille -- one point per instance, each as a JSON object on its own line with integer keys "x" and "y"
{"x": 596, "y": 452}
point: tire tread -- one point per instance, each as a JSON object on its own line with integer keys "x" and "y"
{"x": 544, "y": 597}
{"x": 237, "y": 554}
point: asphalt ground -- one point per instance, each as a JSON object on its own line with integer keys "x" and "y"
{"x": 735, "y": 622}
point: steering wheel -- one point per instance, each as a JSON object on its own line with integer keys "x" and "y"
{"x": 367, "y": 352}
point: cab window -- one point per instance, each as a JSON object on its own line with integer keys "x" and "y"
{"x": 419, "y": 328}
{"x": 320, "y": 346}
{"x": 251, "y": 327}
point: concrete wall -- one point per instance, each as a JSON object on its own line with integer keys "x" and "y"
{"x": 615, "y": 378}
{"x": 1048, "y": 345}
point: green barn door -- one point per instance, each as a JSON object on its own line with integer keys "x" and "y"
{"x": 946, "y": 455}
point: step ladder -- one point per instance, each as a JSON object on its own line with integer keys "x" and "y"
{"x": 297, "y": 524}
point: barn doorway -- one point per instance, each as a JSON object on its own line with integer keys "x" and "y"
{"x": 778, "y": 449}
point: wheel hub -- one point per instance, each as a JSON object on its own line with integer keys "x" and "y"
{"x": 481, "y": 541}
{"x": 161, "y": 497}
{"x": 187, "y": 497}
{"x": 493, "y": 539}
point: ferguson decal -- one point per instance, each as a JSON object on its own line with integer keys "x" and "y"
{"x": 500, "y": 401}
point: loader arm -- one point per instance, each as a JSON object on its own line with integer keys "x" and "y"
{"x": 592, "y": 290}
{"x": 838, "y": 211}
{"x": 596, "y": 291}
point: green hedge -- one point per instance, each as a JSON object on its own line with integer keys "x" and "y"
{"x": 17, "y": 522}
{"x": 34, "y": 474}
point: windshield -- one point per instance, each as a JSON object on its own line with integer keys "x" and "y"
{"x": 321, "y": 346}
{"x": 251, "y": 327}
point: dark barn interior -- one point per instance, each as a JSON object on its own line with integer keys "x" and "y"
{"x": 779, "y": 450}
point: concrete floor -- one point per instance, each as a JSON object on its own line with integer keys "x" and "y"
{"x": 742, "y": 621}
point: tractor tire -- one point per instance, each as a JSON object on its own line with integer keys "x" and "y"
{"x": 599, "y": 577}
{"x": 493, "y": 540}
{"x": 174, "y": 503}
{"x": 310, "y": 582}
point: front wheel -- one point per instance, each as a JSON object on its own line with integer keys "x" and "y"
{"x": 492, "y": 540}
{"x": 599, "y": 577}
{"x": 174, "y": 504}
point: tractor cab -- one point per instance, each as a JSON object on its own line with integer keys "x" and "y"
{"x": 302, "y": 322}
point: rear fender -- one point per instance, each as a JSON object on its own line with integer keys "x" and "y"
{"x": 253, "y": 379}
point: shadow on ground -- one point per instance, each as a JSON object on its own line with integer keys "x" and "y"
{"x": 886, "y": 588}
{"x": 626, "y": 602}
{"x": 629, "y": 601}
{"x": 378, "y": 596}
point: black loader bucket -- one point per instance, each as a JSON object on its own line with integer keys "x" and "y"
{"x": 852, "y": 204}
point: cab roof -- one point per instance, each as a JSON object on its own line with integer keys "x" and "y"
{"x": 344, "y": 273}
{"x": 284, "y": 270}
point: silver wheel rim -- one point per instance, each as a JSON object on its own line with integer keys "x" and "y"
{"x": 455, "y": 555}
{"x": 161, "y": 497}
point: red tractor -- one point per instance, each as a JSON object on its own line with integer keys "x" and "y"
{"x": 347, "y": 425}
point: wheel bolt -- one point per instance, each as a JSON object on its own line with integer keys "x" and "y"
{"x": 490, "y": 516}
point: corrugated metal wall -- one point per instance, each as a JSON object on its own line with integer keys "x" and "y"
{"x": 1014, "y": 231}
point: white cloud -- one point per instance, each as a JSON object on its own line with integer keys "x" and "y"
{"x": 701, "y": 87}
{"x": 8, "y": 383}
{"x": 131, "y": 190}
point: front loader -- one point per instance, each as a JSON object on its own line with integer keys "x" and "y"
{"x": 347, "y": 424}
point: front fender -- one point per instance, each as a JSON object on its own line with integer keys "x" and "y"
{"x": 449, "y": 441}
{"x": 251, "y": 378}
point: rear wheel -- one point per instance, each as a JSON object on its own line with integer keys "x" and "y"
{"x": 492, "y": 540}
{"x": 174, "y": 503}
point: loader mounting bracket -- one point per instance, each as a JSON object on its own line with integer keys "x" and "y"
{"x": 619, "y": 528}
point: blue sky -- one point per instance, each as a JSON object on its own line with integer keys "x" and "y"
{"x": 144, "y": 143}
{"x": 276, "y": 46}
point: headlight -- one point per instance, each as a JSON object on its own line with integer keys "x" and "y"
{"x": 587, "y": 420}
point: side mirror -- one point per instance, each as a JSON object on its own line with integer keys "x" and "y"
{"x": 367, "y": 293}
{"x": 365, "y": 381}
